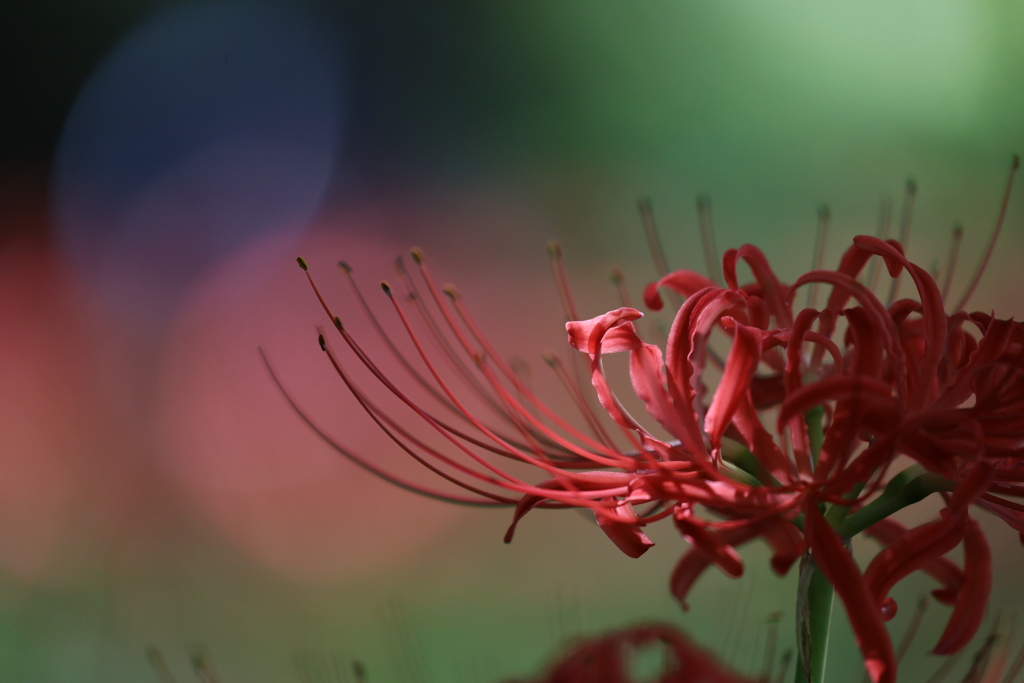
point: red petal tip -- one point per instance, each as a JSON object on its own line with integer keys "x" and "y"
{"x": 652, "y": 299}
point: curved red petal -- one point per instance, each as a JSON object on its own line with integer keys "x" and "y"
{"x": 743, "y": 358}
{"x": 621, "y": 525}
{"x": 888, "y": 531}
{"x": 973, "y": 599}
{"x": 694, "y": 562}
{"x": 837, "y": 565}
{"x": 645, "y": 372}
{"x": 609, "y": 328}
{"x": 684, "y": 282}
{"x": 835, "y": 388}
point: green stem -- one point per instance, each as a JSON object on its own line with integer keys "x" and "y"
{"x": 815, "y": 595}
{"x": 906, "y": 488}
{"x": 815, "y": 430}
{"x": 814, "y": 605}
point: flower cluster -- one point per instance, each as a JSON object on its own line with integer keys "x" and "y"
{"x": 795, "y": 444}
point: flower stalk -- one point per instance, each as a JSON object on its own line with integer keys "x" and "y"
{"x": 815, "y": 599}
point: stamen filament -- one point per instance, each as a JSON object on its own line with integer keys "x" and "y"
{"x": 707, "y": 239}
{"x": 905, "y": 219}
{"x": 619, "y": 280}
{"x": 555, "y": 363}
{"x": 976, "y": 278}
{"x": 954, "y": 252}
{"x": 480, "y": 338}
{"x": 882, "y": 233}
{"x": 363, "y": 463}
{"x": 819, "y": 252}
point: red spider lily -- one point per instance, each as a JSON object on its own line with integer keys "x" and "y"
{"x": 848, "y": 389}
{"x": 607, "y": 659}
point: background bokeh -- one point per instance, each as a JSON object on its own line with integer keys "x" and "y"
{"x": 164, "y": 162}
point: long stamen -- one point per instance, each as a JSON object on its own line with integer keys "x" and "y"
{"x": 203, "y": 670}
{"x": 521, "y": 416}
{"x": 1015, "y": 667}
{"x": 882, "y": 233}
{"x": 619, "y": 280}
{"x": 420, "y": 304}
{"x": 905, "y": 219}
{"x": 824, "y": 214}
{"x": 568, "y": 305}
{"x": 980, "y": 661}
{"x": 947, "y": 665}
{"x": 448, "y": 392}
{"x": 517, "y": 408}
{"x": 612, "y": 462}
{"x": 481, "y": 339}
{"x": 1014, "y": 165}
{"x": 442, "y": 341}
{"x": 771, "y": 640}
{"x": 524, "y": 373}
{"x": 555, "y": 363}
{"x": 954, "y": 252}
{"x": 368, "y": 466}
{"x": 707, "y": 239}
{"x": 368, "y": 311}
{"x": 323, "y": 303}
{"x": 661, "y": 266}
{"x": 653, "y": 239}
{"x": 787, "y": 658}
{"x": 383, "y": 379}
{"x": 560, "y": 457}
{"x": 511, "y": 483}
{"x": 912, "y": 628}
{"x": 387, "y": 424}
{"x": 562, "y": 281}
{"x": 156, "y": 660}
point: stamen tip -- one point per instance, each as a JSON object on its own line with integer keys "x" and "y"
{"x": 911, "y": 185}
{"x": 451, "y": 291}
{"x": 302, "y": 263}
{"x": 550, "y": 357}
{"x": 824, "y": 211}
{"x": 958, "y": 230}
{"x": 417, "y": 255}
{"x": 1015, "y": 164}
{"x": 555, "y": 249}
{"x": 386, "y": 287}
{"x": 616, "y": 275}
{"x": 345, "y": 266}
{"x": 323, "y": 342}
{"x": 337, "y": 323}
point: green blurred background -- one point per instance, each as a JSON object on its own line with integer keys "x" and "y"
{"x": 478, "y": 131}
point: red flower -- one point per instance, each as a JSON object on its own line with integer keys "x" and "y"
{"x": 607, "y": 659}
{"x": 848, "y": 388}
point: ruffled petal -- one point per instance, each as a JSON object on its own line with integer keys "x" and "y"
{"x": 611, "y": 329}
